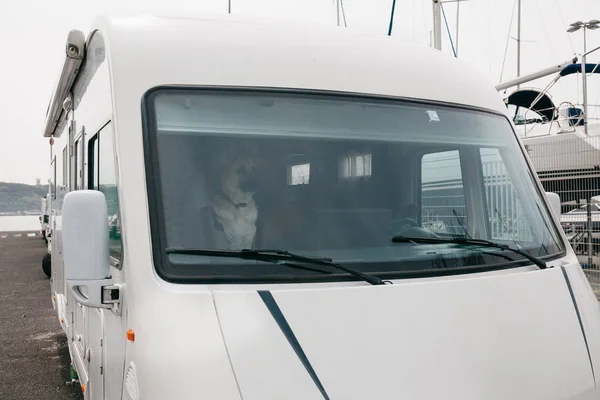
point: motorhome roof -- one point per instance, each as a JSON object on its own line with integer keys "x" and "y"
{"x": 147, "y": 50}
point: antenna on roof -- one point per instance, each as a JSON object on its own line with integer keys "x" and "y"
{"x": 392, "y": 18}
{"x": 340, "y": 6}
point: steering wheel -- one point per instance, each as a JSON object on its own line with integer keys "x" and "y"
{"x": 410, "y": 227}
{"x": 402, "y": 224}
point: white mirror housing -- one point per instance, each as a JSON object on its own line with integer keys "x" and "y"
{"x": 554, "y": 201}
{"x": 86, "y": 246}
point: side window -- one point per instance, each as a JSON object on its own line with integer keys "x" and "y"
{"x": 103, "y": 177}
{"x": 443, "y": 204}
{"x": 81, "y": 169}
{"x": 298, "y": 174}
{"x": 92, "y": 182}
{"x": 65, "y": 167}
{"x": 355, "y": 165}
{"x": 76, "y": 164}
{"x": 79, "y": 161}
{"x": 505, "y": 210}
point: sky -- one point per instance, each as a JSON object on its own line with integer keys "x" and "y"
{"x": 33, "y": 35}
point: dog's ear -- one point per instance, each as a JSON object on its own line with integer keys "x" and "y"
{"x": 241, "y": 152}
{"x": 252, "y": 153}
{"x": 217, "y": 163}
{"x": 221, "y": 158}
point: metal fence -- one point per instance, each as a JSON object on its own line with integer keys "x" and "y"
{"x": 569, "y": 164}
{"x": 507, "y": 218}
{"x": 444, "y": 208}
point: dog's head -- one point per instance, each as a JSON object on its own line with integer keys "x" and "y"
{"x": 237, "y": 175}
{"x": 239, "y": 181}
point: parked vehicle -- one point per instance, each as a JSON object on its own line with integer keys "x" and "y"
{"x": 302, "y": 213}
{"x": 576, "y": 220}
{"x": 46, "y": 232}
{"x": 44, "y": 217}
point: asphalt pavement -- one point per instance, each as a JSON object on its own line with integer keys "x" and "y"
{"x": 34, "y": 358}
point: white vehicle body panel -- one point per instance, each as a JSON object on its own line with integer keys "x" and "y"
{"x": 365, "y": 350}
{"x": 497, "y": 335}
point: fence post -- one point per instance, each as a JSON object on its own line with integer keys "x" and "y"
{"x": 589, "y": 230}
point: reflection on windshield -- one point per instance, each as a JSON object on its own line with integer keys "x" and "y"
{"x": 335, "y": 177}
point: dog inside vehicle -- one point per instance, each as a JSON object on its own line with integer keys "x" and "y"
{"x": 234, "y": 206}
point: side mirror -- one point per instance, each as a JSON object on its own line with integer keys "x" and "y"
{"x": 554, "y": 201}
{"x": 86, "y": 246}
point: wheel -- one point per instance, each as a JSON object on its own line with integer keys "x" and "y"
{"x": 46, "y": 264}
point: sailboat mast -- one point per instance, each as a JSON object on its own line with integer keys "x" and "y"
{"x": 519, "y": 41}
{"x": 437, "y": 25}
{"x": 457, "y": 22}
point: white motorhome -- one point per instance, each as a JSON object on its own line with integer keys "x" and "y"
{"x": 417, "y": 256}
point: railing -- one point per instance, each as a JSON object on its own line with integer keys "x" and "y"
{"x": 531, "y": 124}
{"x": 444, "y": 208}
{"x": 506, "y": 214}
{"x": 570, "y": 167}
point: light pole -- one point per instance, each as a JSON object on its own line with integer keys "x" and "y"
{"x": 593, "y": 24}
{"x": 575, "y": 26}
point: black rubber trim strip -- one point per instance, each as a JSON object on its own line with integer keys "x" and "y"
{"x": 275, "y": 311}
{"x": 564, "y": 271}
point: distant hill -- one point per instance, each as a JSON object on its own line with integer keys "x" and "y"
{"x": 21, "y": 199}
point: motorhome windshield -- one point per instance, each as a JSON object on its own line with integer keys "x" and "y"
{"x": 336, "y": 177}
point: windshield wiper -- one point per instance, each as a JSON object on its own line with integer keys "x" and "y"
{"x": 279, "y": 257}
{"x": 469, "y": 242}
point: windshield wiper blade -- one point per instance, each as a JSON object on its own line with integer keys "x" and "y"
{"x": 235, "y": 254}
{"x": 469, "y": 242}
{"x": 280, "y": 257}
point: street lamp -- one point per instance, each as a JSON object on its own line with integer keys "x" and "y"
{"x": 575, "y": 26}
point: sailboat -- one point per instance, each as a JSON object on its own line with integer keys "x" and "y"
{"x": 562, "y": 141}
{"x": 563, "y": 144}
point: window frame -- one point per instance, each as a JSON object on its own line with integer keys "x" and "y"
{"x": 65, "y": 166}
{"x": 76, "y": 164}
{"x": 155, "y": 206}
{"x": 92, "y": 171}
